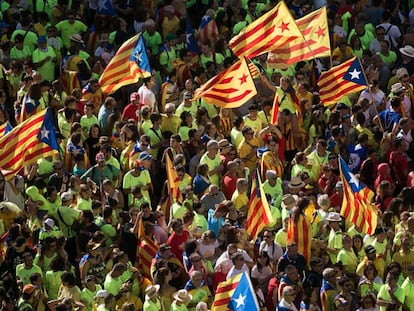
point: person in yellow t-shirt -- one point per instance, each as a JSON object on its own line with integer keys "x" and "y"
{"x": 239, "y": 197}
{"x": 248, "y": 148}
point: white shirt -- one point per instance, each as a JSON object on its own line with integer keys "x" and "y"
{"x": 233, "y": 271}
{"x": 274, "y": 251}
{"x": 285, "y": 304}
{"x": 147, "y": 98}
{"x": 224, "y": 263}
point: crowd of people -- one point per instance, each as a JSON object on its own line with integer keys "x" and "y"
{"x": 98, "y": 227}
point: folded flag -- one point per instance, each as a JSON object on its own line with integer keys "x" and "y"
{"x": 356, "y": 205}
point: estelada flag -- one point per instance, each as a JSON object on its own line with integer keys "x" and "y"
{"x": 276, "y": 28}
{"x": 314, "y": 42}
{"x": 230, "y": 88}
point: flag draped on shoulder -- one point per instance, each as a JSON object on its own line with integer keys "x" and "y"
{"x": 236, "y": 293}
{"x": 190, "y": 39}
{"x": 230, "y": 88}
{"x": 314, "y": 42}
{"x": 341, "y": 80}
{"x": 128, "y": 65}
{"x": 29, "y": 141}
{"x": 173, "y": 181}
{"x": 356, "y": 205}
{"x": 274, "y": 29}
{"x": 258, "y": 215}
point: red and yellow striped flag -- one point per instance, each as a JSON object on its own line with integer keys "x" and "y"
{"x": 229, "y": 89}
{"x": 300, "y": 232}
{"x": 254, "y": 71}
{"x": 29, "y": 141}
{"x": 173, "y": 181}
{"x": 274, "y": 29}
{"x": 128, "y": 65}
{"x": 258, "y": 215}
{"x": 356, "y": 205}
{"x": 341, "y": 80}
{"x": 146, "y": 251}
{"x": 314, "y": 43}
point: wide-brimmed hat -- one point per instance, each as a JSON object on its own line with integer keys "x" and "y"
{"x": 401, "y": 72}
{"x": 28, "y": 289}
{"x": 66, "y": 196}
{"x": 333, "y": 216}
{"x": 76, "y": 38}
{"x": 288, "y": 200}
{"x": 50, "y": 222}
{"x": 151, "y": 291}
{"x": 397, "y": 88}
{"x": 183, "y": 296}
{"x": 407, "y": 50}
{"x": 296, "y": 183}
{"x": 223, "y": 143}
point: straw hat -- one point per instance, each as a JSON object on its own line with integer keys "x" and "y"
{"x": 182, "y": 296}
{"x": 151, "y": 291}
{"x": 296, "y": 183}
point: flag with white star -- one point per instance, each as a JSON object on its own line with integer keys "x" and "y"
{"x": 356, "y": 204}
{"x": 191, "y": 42}
{"x": 341, "y": 80}
{"x": 230, "y": 88}
{"x": 314, "y": 42}
{"x": 129, "y": 64}
{"x": 105, "y": 7}
{"x": 236, "y": 293}
{"x": 26, "y": 143}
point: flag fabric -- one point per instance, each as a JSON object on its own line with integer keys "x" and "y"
{"x": 314, "y": 42}
{"x": 258, "y": 215}
{"x": 254, "y": 71}
{"x": 29, "y": 141}
{"x": 30, "y": 107}
{"x": 208, "y": 30}
{"x": 230, "y": 88}
{"x": 173, "y": 181}
{"x": 128, "y": 65}
{"x": 191, "y": 42}
{"x": 300, "y": 232}
{"x": 356, "y": 204}
{"x": 341, "y": 80}
{"x": 105, "y": 7}
{"x": 236, "y": 293}
{"x": 276, "y": 28}
{"x": 5, "y": 128}
{"x": 146, "y": 251}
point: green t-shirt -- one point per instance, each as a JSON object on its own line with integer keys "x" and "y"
{"x": 112, "y": 286}
{"x": 219, "y": 59}
{"x": 52, "y": 283}
{"x": 84, "y": 205}
{"x": 24, "y": 274}
{"x": 34, "y": 194}
{"x": 384, "y": 295}
{"x": 212, "y": 164}
{"x": 167, "y": 58}
{"x": 30, "y": 39}
{"x": 87, "y": 123}
{"x": 66, "y": 217}
{"x": 153, "y": 42}
{"x": 67, "y": 29}
{"x": 21, "y": 55}
{"x": 99, "y": 175}
{"x": 142, "y": 180}
{"x": 47, "y": 70}
{"x": 88, "y": 297}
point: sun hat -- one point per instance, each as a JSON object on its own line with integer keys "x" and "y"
{"x": 397, "y": 88}
{"x": 50, "y": 222}
{"x": 288, "y": 200}
{"x": 151, "y": 291}
{"x": 407, "y": 50}
{"x": 183, "y": 296}
{"x": 333, "y": 216}
{"x": 76, "y": 38}
{"x": 296, "y": 183}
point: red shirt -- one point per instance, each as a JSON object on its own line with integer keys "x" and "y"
{"x": 175, "y": 241}
{"x": 130, "y": 112}
{"x": 399, "y": 164}
{"x": 229, "y": 186}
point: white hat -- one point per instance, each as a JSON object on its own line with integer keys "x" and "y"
{"x": 397, "y": 88}
{"x": 333, "y": 216}
{"x": 183, "y": 296}
{"x": 407, "y": 50}
{"x": 66, "y": 196}
{"x": 151, "y": 290}
{"x": 101, "y": 294}
{"x": 50, "y": 222}
{"x": 296, "y": 182}
{"x": 288, "y": 200}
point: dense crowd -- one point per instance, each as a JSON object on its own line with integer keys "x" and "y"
{"x": 97, "y": 227}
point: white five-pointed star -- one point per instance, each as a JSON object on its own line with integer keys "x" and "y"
{"x": 45, "y": 133}
{"x": 205, "y": 18}
{"x": 188, "y": 36}
{"x": 355, "y": 74}
{"x": 240, "y": 301}
{"x": 353, "y": 180}
{"x": 137, "y": 56}
{"x": 319, "y": 65}
{"x": 102, "y": 5}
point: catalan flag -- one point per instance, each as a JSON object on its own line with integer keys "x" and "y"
{"x": 30, "y": 107}
{"x": 173, "y": 181}
{"x": 341, "y": 80}
{"x": 356, "y": 204}
{"x": 5, "y": 128}
{"x": 314, "y": 42}
{"x": 128, "y": 65}
{"x": 208, "y": 30}
{"x": 236, "y": 293}
{"x": 26, "y": 143}
{"x": 254, "y": 71}
{"x": 146, "y": 251}
{"x": 276, "y": 28}
{"x": 229, "y": 89}
{"x": 299, "y": 231}
{"x": 190, "y": 40}
{"x": 258, "y": 215}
